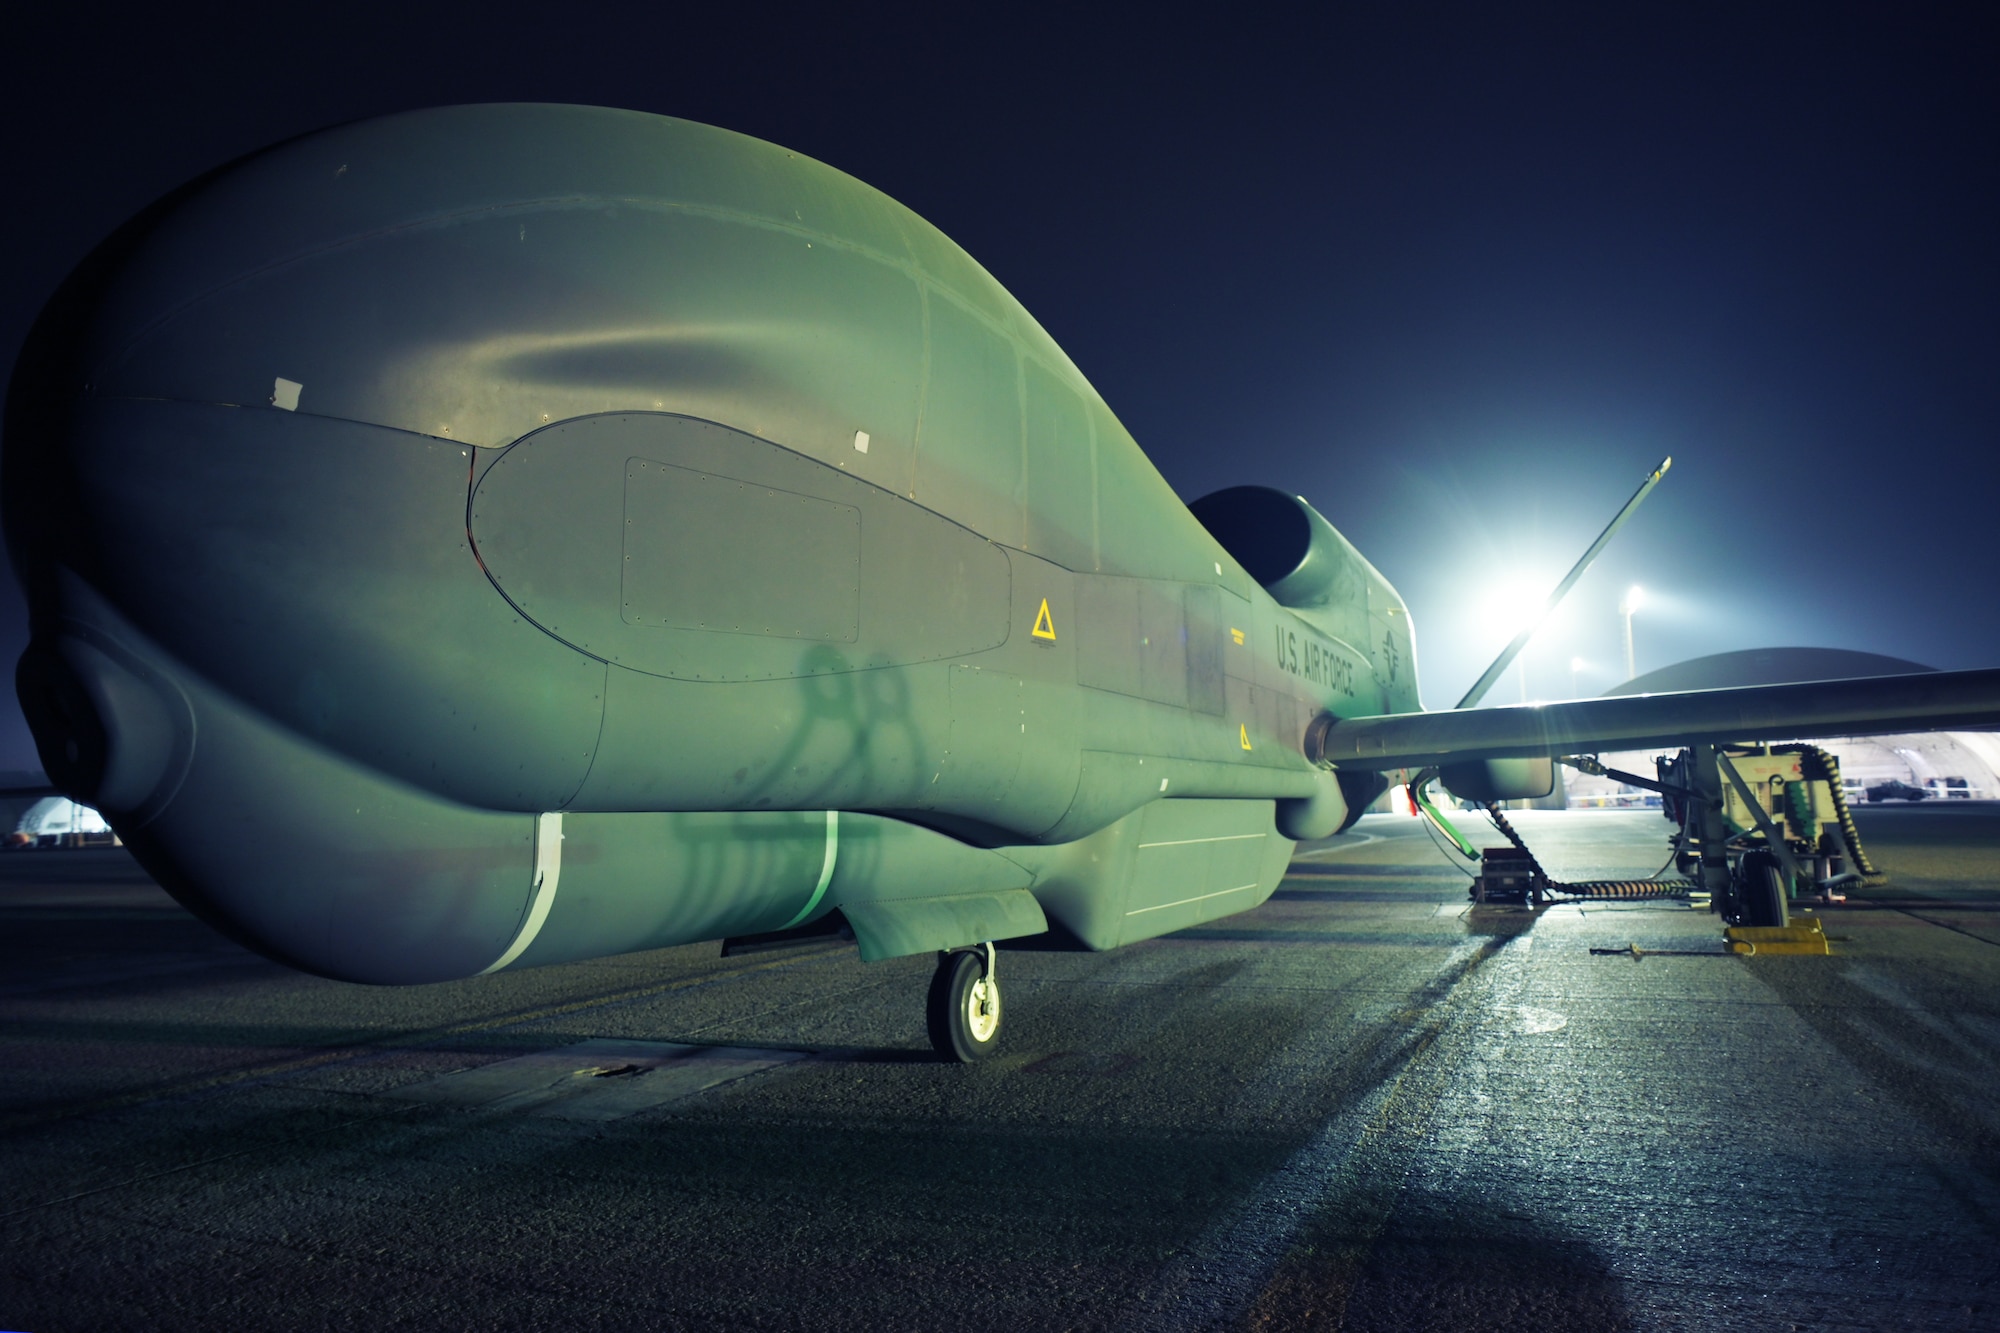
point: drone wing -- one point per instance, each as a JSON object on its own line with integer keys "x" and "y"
{"x": 1931, "y": 701}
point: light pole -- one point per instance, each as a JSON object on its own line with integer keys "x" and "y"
{"x": 1626, "y": 606}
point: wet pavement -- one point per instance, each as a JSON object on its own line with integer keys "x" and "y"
{"x": 1362, "y": 1106}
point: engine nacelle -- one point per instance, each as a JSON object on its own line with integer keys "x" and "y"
{"x": 1313, "y": 571}
{"x": 1500, "y": 779}
{"x": 1284, "y": 543}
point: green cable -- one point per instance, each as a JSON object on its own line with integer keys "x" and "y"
{"x": 1423, "y": 800}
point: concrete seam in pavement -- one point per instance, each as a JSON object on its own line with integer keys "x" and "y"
{"x": 354, "y": 1050}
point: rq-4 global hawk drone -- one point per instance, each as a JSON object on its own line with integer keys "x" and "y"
{"x": 503, "y": 535}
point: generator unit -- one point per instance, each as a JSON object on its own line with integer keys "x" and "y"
{"x": 1797, "y": 804}
{"x": 1786, "y": 828}
{"x": 1508, "y": 875}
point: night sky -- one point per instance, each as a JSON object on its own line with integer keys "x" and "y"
{"x": 1459, "y": 276}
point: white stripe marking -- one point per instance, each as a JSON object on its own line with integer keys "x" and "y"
{"x": 825, "y": 869}
{"x": 1185, "y": 901}
{"x": 548, "y": 870}
{"x": 1189, "y": 842}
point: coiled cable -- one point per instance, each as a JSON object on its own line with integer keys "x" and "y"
{"x": 1830, "y": 773}
{"x": 1601, "y": 889}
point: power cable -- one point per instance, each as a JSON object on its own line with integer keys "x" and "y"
{"x": 1627, "y": 889}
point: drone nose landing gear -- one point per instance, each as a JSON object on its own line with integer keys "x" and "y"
{"x": 963, "y": 1011}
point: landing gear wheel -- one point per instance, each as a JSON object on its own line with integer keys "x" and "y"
{"x": 964, "y": 1009}
{"x": 1762, "y": 896}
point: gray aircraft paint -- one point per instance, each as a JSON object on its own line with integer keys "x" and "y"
{"x": 383, "y": 495}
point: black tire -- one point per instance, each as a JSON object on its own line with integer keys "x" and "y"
{"x": 959, "y": 984}
{"x": 1763, "y": 890}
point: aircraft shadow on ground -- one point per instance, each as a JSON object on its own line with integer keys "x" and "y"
{"x": 1439, "y": 1261}
{"x": 1095, "y": 1210}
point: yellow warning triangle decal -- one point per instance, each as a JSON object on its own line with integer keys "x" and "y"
{"x": 1243, "y": 734}
{"x": 1045, "y": 628}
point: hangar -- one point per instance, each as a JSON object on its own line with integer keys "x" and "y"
{"x": 1961, "y": 765}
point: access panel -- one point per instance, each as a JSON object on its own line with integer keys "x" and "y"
{"x": 685, "y": 549}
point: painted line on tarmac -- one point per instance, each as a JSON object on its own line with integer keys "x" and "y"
{"x": 1358, "y": 1158}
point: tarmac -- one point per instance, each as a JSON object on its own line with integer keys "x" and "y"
{"x": 1364, "y": 1105}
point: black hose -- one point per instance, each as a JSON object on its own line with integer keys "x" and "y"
{"x": 1634, "y": 889}
{"x": 1830, "y": 773}
{"x": 1817, "y": 765}
{"x": 1621, "y": 889}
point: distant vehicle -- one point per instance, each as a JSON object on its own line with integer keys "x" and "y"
{"x": 1894, "y": 790}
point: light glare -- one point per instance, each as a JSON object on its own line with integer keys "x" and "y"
{"x": 1510, "y": 602}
